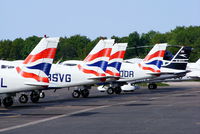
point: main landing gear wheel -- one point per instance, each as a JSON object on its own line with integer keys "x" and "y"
{"x": 152, "y": 86}
{"x": 85, "y": 93}
{"x": 76, "y": 94}
{"x": 118, "y": 90}
{"x": 7, "y": 101}
{"x": 35, "y": 96}
{"x": 23, "y": 98}
{"x": 110, "y": 90}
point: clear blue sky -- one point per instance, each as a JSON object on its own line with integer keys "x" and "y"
{"x": 93, "y": 18}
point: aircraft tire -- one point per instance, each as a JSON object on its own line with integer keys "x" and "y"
{"x": 23, "y": 98}
{"x": 152, "y": 86}
{"x": 7, "y": 101}
{"x": 85, "y": 93}
{"x": 118, "y": 90}
{"x": 76, "y": 94}
{"x": 110, "y": 90}
{"x": 155, "y": 86}
{"x": 35, "y": 97}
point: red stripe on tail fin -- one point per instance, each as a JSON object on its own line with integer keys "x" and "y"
{"x": 47, "y": 53}
{"x": 156, "y": 54}
{"x": 32, "y": 75}
{"x": 103, "y": 53}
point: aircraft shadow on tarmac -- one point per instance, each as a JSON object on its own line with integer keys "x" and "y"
{"x": 138, "y": 104}
{"x": 91, "y": 98}
{"x": 84, "y": 114}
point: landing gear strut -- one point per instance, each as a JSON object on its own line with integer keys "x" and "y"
{"x": 8, "y": 101}
{"x": 23, "y": 98}
{"x": 152, "y": 86}
{"x": 35, "y": 96}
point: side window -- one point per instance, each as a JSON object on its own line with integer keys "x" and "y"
{"x": 6, "y": 67}
{"x": 3, "y": 66}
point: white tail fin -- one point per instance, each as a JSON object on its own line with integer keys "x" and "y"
{"x": 116, "y": 58}
{"x": 37, "y": 65}
{"x": 97, "y": 60}
{"x": 153, "y": 61}
{"x": 198, "y": 61}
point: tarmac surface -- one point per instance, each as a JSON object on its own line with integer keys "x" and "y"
{"x": 174, "y": 109}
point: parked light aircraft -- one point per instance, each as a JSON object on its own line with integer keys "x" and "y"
{"x": 31, "y": 75}
{"x": 193, "y": 73}
{"x": 129, "y": 73}
{"x": 81, "y": 75}
{"x": 174, "y": 67}
{"x": 84, "y": 74}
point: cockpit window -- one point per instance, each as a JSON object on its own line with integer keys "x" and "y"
{"x": 6, "y": 67}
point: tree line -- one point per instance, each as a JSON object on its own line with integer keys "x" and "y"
{"x": 77, "y": 46}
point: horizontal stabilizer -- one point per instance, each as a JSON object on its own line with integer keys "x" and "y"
{"x": 37, "y": 83}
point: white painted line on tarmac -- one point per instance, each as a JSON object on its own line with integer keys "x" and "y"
{"x": 63, "y": 115}
{"x": 155, "y": 98}
{"x": 53, "y": 118}
{"x": 128, "y": 102}
{"x": 197, "y": 123}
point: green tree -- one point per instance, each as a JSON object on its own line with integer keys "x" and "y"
{"x": 5, "y": 46}
{"x": 16, "y": 49}
{"x": 29, "y": 44}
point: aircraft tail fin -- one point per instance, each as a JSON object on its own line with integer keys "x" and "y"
{"x": 180, "y": 60}
{"x": 37, "y": 65}
{"x": 116, "y": 58}
{"x": 97, "y": 60}
{"x": 198, "y": 61}
{"x": 153, "y": 61}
